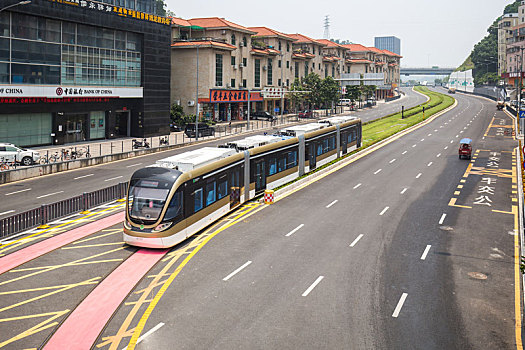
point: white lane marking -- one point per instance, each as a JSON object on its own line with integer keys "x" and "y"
{"x": 461, "y": 132}
{"x": 464, "y": 128}
{"x": 435, "y": 130}
{"x": 384, "y": 211}
{"x": 148, "y": 333}
{"x": 392, "y": 161}
{"x": 451, "y": 141}
{"x": 446, "y": 147}
{"x": 483, "y": 138}
{"x": 429, "y": 135}
{"x": 27, "y": 189}
{"x": 294, "y": 230}
{"x": 356, "y": 240}
{"x": 329, "y": 205}
{"x": 404, "y": 152}
{"x": 442, "y": 218}
{"x": 49, "y": 194}
{"x": 132, "y": 165}
{"x": 422, "y": 140}
{"x": 404, "y": 190}
{"x": 356, "y": 186}
{"x": 429, "y": 164}
{"x": 377, "y": 171}
{"x": 399, "y": 305}
{"x": 424, "y": 255}
{"x": 319, "y": 279}
{"x": 414, "y": 145}
{"x": 438, "y": 155}
{"x": 441, "y": 126}
{"x": 457, "y": 135}
{"x": 418, "y": 175}
{"x": 237, "y": 271}
{"x": 114, "y": 178}
{"x": 83, "y": 176}
{"x": 7, "y": 212}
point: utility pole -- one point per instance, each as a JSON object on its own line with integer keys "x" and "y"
{"x": 282, "y": 88}
{"x": 197, "y": 100}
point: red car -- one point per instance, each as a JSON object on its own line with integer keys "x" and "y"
{"x": 465, "y": 148}
{"x": 305, "y": 114}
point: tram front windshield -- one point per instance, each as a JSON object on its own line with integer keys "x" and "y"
{"x": 147, "y": 198}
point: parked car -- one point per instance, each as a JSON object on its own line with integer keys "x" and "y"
{"x": 261, "y": 115}
{"x": 203, "y": 130}
{"x": 370, "y": 102}
{"x": 305, "y": 114}
{"x": 175, "y": 127}
{"x": 345, "y": 102}
{"x": 11, "y": 153}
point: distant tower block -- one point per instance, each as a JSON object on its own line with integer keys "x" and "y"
{"x": 326, "y": 27}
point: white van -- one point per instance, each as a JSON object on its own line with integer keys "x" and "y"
{"x": 345, "y": 102}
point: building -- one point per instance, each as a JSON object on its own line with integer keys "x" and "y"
{"x": 390, "y": 43}
{"x": 334, "y": 58}
{"x": 515, "y": 45}
{"x": 83, "y": 70}
{"x": 307, "y": 56}
{"x": 505, "y": 25}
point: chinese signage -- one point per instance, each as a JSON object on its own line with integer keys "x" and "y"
{"x": 217, "y": 96}
{"x": 120, "y": 11}
{"x": 269, "y": 92}
{"x": 28, "y": 100}
{"x": 67, "y": 91}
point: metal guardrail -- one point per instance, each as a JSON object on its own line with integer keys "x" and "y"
{"x": 49, "y": 212}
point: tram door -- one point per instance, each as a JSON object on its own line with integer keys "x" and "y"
{"x": 260, "y": 176}
{"x": 344, "y": 142}
{"x": 235, "y": 188}
{"x": 312, "y": 152}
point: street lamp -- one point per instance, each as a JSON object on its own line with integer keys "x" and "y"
{"x": 25, "y": 2}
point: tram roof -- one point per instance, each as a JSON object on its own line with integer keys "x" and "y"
{"x": 188, "y": 161}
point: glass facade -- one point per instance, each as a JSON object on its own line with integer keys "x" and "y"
{"x": 26, "y": 129}
{"x": 36, "y": 50}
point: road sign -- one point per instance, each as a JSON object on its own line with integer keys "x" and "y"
{"x": 522, "y": 114}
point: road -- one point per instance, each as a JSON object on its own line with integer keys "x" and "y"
{"x": 32, "y": 193}
{"x": 408, "y": 247}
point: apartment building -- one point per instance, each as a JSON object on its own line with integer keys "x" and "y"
{"x": 515, "y": 46}
{"x": 334, "y": 59}
{"x": 505, "y": 25}
{"x": 307, "y": 56}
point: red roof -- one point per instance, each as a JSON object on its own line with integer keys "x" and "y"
{"x": 359, "y": 61}
{"x": 265, "y": 31}
{"x": 376, "y": 50}
{"x": 304, "y": 39}
{"x": 356, "y": 48}
{"x": 390, "y": 53}
{"x": 180, "y": 22}
{"x": 330, "y": 43}
{"x": 259, "y": 51}
{"x": 201, "y": 44}
{"x": 216, "y": 22}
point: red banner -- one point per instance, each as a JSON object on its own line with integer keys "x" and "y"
{"x": 228, "y": 96}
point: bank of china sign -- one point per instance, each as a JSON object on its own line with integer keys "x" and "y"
{"x": 68, "y": 91}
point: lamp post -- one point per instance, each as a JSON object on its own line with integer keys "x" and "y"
{"x": 197, "y": 100}
{"x": 16, "y": 4}
{"x": 282, "y": 88}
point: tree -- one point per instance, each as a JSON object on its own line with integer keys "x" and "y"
{"x": 178, "y": 117}
{"x": 352, "y": 92}
{"x": 160, "y": 8}
{"x": 330, "y": 90}
{"x": 312, "y": 83}
{"x": 297, "y": 97}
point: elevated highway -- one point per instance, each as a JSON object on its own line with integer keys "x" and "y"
{"x": 426, "y": 71}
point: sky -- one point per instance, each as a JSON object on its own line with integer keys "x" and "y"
{"x": 433, "y": 33}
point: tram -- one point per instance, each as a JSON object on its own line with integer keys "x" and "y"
{"x": 182, "y": 194}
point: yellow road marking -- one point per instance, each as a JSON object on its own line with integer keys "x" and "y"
{"x": 90, "y": 281}
{"x": 457, "y": 193}
{"x": 93, "y": 245}
{"x": 452, "y": 203}
{"x": 503, "y": 212}
{"x": 460, "y": 186}
{"x": 113, "y": 231}
{"x": 517, "y": 273}
{"x": 490, "y": 125}
{"x": 160, "y": 293}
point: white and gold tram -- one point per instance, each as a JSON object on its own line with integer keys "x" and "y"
{"x": 182, "y": 194}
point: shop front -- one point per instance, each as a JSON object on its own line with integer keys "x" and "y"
{"x": 228, "y": 105}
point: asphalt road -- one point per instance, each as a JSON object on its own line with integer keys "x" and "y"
{"x": 370, "y": 257}
{"x": 32, "y": 193}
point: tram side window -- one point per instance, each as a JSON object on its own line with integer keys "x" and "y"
{"x": 197, "y": 199}
{"x": 281, "y": 164}
{"x": 292, "y": 159}
{"x": 222, "y": 190}
{"x": 326, "y": 148}
{"x": 319, "y": 148}
{"x": 210, "y": 193}
{"x": 272, "y": 167}
{"x": 175, "y": 207}
{"x": 331, "y": 142}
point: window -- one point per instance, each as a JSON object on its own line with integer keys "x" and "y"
{"x": 211, "y": 193}
{"x": 279, "y": 63}
{"x": 244, "y": 41}
{"x": 270, "y": 72}
{"x": 292, "y": 159}
{"x": 232, "y": 83}
{"x": 281, "y": 164}
{"x": 313, "y": 50}
{"x": 175, "y": 207}
{"x": 257, "y": 73}
{"x": 333, "y": 71}
{"x": 197, "y": 198}
{"x": 297, "y": 69}
{"x": 279, "y": 82}
{"x": 326, "y": 146}
{"x": 222, "y": 190}
{"x": 244, "y": 83}
{"x": 272, "y": 166}
{"x": 233, "y": 39}
{"x": 288, "y": 47}
{"x": 280, "y": 47}
{"x": 287, "y": 82}
{"x": 245, "y": 62}
{"x": 218, "y": 70}
{"x": 287, "y": 64}
{"x": 233, "y": 60}
{"x": 319, "y": 149}
{"x": 331, "y": 143}
{"x": 325, "y": 70}
{"x": 305, "y": 69}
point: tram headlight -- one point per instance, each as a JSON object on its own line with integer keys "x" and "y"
{"x": 162, "y": 226}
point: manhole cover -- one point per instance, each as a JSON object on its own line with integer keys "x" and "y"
{"x": 477, "y": 275}
{"x": 445, "y": 228}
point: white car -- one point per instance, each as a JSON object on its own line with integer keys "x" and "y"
{"x": 10, "y": 153}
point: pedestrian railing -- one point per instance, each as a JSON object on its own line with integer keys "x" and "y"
{"x": 49, "y": 212}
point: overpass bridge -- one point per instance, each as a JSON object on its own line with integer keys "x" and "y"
{"x": 426, "y": 71}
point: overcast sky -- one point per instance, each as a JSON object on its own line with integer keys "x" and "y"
{"x": 439, "y": 33}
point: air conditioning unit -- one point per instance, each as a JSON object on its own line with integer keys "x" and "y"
{"x": 235, "y": 66}
{"x": 265, "y": 67}
{"x": 228, "y": 85}
{"x": 241, "y": 44}
{"x": 191, "y": 103}
{"x": 241, "y": 65}
{"x": 177, "y": 102}
{"x": 223, "y": 32}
